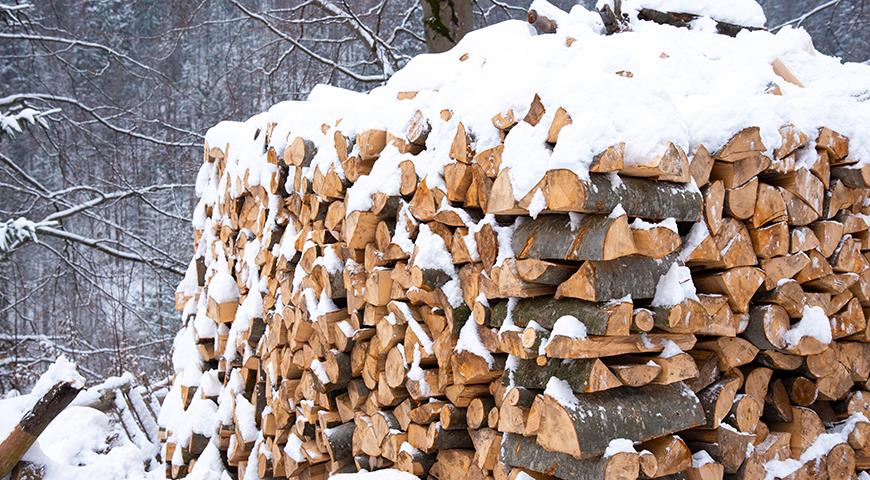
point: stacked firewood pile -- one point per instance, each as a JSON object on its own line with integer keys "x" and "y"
{"x": 698, "y": 315}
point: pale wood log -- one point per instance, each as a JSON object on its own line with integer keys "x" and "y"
{"x": 769, "y": 206}
{"x": 778, "y": 269}
{"x": 732, "y": 351}
{"x": 642, "y": 320}
{"x": 708, "y": 370}
{"x": 701, "y": 165}
{"x": 671, "y": 453}
{"x": 737, "y": 284}
{"x": 853, "y": 176}
{"x": 655, "y": 242}
{"x": 743, "y": 144}
{"x": 767, "y": 327}
{"x": 735, "y": 245}
{"x": 834, "y": 143}
{"x": 532, "y": 270}
{"x": 740, "y": 201}
{"x": 804, "y": 185}
{"x": 726, "y": 445}
{"x": 804, "y": 428}
{"x": 745, "y": 413}
{"x": 771, "y": 240}
{"x": 717, "y": 399}
{"x": 799, "y": 212}
{"x": 714, "y": 206}
{"x": 636, "y": 374}
{"x": 737, "y": 173}
{"x": 560, "y": 120}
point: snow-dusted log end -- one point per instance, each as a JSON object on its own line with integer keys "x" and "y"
{"x": 631, "y": 245}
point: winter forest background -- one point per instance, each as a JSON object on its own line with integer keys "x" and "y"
{"x": 121, "y": 93}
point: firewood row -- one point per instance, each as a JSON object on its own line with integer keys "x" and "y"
{"x": 637, "y": 326}
{"x": 698, "y": 315}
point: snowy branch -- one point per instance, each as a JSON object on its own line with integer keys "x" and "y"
{"x": 798, "y": 21}
{"x": 20, "y": 230}
{"x": 307, "y": 51}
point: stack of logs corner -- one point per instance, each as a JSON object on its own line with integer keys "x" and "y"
{"x": 779, "y": 233}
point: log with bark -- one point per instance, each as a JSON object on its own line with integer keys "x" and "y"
{"x": 25, "y": 432}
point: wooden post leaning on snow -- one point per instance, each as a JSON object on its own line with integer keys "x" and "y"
{"x": 34, "y": 421}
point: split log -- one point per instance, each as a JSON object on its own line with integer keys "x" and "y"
{"x": 584, "y": 427}
{"x": 565, "y": 192}
{"x": 603, "y": 281}
{"x": 583, "y": 375}
{"x": 685, "y": 20}
{"x": 597, "y": 347}
{"x": 523, "y": 452}
{"x": 612, "y": 318}
{"x": 557, "y": 237}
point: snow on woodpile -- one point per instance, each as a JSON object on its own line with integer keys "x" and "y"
{"x": 627, "y": 240}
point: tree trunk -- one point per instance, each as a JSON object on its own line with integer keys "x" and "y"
{"x": 446, "y": 22}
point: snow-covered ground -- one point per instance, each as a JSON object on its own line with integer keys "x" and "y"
{"x": 81, "y": 443}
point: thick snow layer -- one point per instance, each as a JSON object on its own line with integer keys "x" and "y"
{"x": 739, "y": 12}
{"x": 561, "y": 391}
{"x": 569, "y": 326}
{"x": 209, "y": 466}
{"x": 814, "y": 323}
{"x": 619, "y": 445}
{"x": 385, "y": 177}
{"x": 697, "y": 234}
{"x": 689, "y": 87}
{"x": 185, "y": 357}
{"x": 432, "y": 252}
{"x": 674, "y": 287}
{"x": 538, "y": 204}
{"x": 701, "y": 458}
{"x": 402, "y": 237}
{"x": 469, "y": 341}
{"x": 671, "y": 349}
{"x": 421, "y": 335}
{"x": 244, "y": 414}
{"x": 61, "y": 371}
{"x": 617, "y": 212}
{"x": 669, "y": 223}
{"x": 222, "y": 287}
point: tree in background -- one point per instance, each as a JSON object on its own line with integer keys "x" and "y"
{"x": 96, "y": 195}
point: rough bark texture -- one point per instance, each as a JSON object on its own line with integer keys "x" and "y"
{"x": 640, "y": 414}
{"x": 28, "y": 429}
{"x": 446, "y": 22}
{"x": 599, "y": 319}
{"x": 523, "y": 452}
